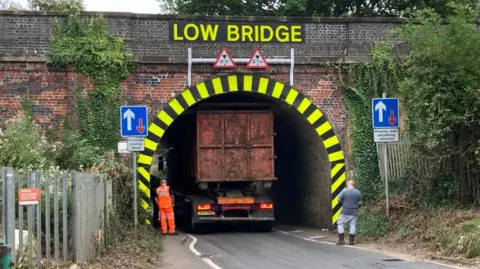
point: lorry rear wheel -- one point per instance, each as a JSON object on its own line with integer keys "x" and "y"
{"x": 192, "y": 225}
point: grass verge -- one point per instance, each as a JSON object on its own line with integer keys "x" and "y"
{"x": 137, "y": 250}
{"x": 128, "y": 249}
{"x": 449, "y": 232}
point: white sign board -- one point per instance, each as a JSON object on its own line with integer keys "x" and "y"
{"x": 135, "y": 144}
{"x": 257, "y": 60}
{"x": 122, "y": 147}
{"x": 224, "y": 60}
{"x": 384, "y": 135}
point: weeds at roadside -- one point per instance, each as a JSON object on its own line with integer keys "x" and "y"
{"x": 138, "y": 250}
{"x": 447, "y": 231}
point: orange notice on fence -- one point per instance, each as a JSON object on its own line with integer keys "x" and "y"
{"x": 29, "y": 196}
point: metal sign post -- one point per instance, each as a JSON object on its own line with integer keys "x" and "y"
{"x": 385, "y": 120}
{"x": 134, "y": 126}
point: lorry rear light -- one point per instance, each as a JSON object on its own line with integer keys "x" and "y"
{"x": 266, "y": 206}
{"x": 204, "y": 207}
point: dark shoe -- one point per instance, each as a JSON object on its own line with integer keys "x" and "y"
{"x": 164, "y": 233}
{"x": 341, "y": 239}
{"x": 174, "y": 233}
{"x": 352, "y": 240}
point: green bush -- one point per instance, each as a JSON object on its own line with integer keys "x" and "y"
{"x": 75, "y": 152}
{"x": 23, "y": 147}
{"x": 372, "y": 224}
{"x": 464, "y": 240}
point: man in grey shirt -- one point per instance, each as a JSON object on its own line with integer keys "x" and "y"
{"x": 349, "y": 198}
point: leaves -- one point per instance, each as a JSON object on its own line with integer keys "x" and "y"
{"x": 368, "y": 80}
{"x": 84, "y": 42}
{"x": 57, "y": 5}
{"x": 23, "y": 147}
{"x": 308, "y": 8}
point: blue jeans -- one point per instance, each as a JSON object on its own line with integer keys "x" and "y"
{"x": 345, "y": 220}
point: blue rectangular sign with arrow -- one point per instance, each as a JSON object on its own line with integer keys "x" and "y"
{"x": 385, "y": 113}
{"x": 133, "y": 121}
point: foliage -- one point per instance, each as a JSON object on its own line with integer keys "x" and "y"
{"x": 57, "y": 5}
{"x": 22, "y": 146}
{"x": 85, "y": 44}
{"x": 446, "y": 231}
{"x": 372, "y": 225}
{"x": 442, "y": 100}
{"x": 75, "y": 152}
{"x": 465, "y": 240}
{"x": 366, "y": 81}
{"x": 140, "y": 249}
{"x": 306, "y": 8}
{"x": 9, "y": 5}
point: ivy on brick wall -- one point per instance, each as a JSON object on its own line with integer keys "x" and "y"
{"x": 365, "y": 81}
{"x": 85, "y": 44}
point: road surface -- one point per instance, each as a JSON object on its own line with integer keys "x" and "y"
{"x": 290, "y": 250}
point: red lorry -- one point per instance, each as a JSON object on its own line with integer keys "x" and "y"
{"x": 232, "y": 168}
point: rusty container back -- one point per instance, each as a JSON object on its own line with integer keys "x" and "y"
{"x": 234, "y": 146}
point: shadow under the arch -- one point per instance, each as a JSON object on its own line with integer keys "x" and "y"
{"x": 302, "y": 192}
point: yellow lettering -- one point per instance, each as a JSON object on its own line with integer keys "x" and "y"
{"x": 263, "y": 37}
{"x": 256, "y": 34}
{"x": 296, "y": 33}
{"x": 209, "y": 32}
{"x": 187, "y": 34}
{"x": 232, "y": 30}
{"x": 175, "y": 33}
{"x": 247, "y": 31}
{"x": 281, "y": 33}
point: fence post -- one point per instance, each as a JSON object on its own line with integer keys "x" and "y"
{"x": 47, "y": 218}
{"x": 64, "y": 215}
{"x": 39, "y": 222}
{"x": 108, "y": 206}
{"x": 4, "y": 201}
{"x": 75, "y": 218}
{"x": 20, "y": 219}
{"x": 10, "y": 203}
{"x": 31, "y": 178}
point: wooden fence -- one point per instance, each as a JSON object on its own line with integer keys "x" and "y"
{"x": 402, "y": 158}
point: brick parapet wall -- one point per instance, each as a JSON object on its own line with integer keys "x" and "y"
{"x": 26, "y": 36}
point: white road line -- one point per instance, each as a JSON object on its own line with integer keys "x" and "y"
{"x": 192, "y": 245}
{"x": 306, "y": 239}
{"x": 206, "y": 260}
{"x": 315, "y": 237}
{"x": 296, "y": 231}
{"x": 212, "y": 264}
{"x": 310, "y": 239}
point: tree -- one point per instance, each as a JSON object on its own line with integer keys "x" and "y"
{"x": 57, "y": 5}
{"x": 9, "y": 5}
{"x": 441, "y": 95}
{"x": 306, "y": 8}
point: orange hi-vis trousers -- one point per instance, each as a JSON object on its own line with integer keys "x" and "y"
{"x": 167, "y": 214}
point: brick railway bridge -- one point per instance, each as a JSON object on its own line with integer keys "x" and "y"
{"x": 310, "y": 114}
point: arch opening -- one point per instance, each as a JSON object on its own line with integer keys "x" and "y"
{"x": 310, "y": 163}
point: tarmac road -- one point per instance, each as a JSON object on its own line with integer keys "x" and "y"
{"x": 289, "y": 250}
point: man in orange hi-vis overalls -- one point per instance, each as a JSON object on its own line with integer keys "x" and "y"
{"x": 165, "y": 204}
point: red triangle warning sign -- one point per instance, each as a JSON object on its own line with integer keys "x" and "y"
{"x": 257, "y": 60}
{"x": 224, "y": 60}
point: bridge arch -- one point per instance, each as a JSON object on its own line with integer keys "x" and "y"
{"x": 249, "y": 83}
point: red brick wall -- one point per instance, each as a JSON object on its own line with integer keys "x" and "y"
{"x": 151, "y": 85}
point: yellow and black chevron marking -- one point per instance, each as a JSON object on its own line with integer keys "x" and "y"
{"x": 248, "y": 83}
